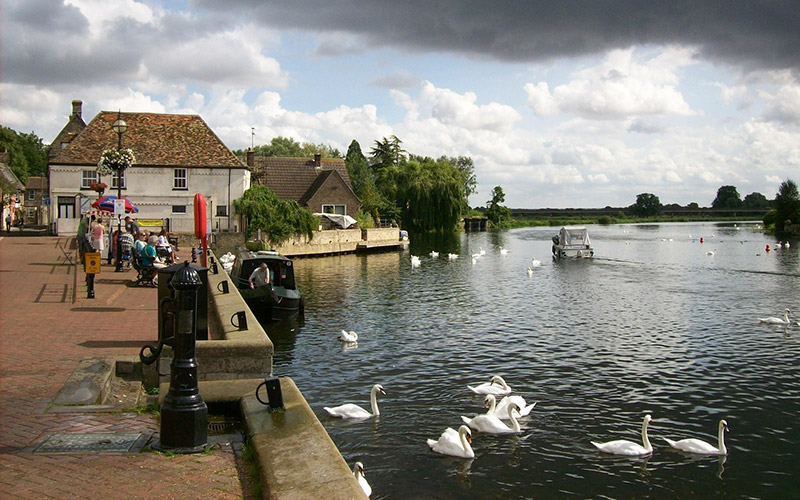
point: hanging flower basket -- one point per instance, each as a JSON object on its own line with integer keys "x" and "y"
{"x": 114, "y": 160}
{"x": 100, "y": 187}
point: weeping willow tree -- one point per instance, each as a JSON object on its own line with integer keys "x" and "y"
{"x": 279, "y": 219}
{"x": 430, "y": 194}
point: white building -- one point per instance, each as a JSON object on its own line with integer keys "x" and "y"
{"x": 177, "y": 156}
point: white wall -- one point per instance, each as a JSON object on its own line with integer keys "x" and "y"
{"x": 150, "y": 190}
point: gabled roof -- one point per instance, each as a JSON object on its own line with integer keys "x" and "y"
{"x": 8, "y": 174}
{"x": 156, "y": 140}
{"x": 74, "y": 126}
{"x": 318, "y": 183}
{"x": 292, "y": 178}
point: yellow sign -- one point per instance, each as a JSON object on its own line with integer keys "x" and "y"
{"x": 150, "y": 222}
{"x": 92, "y": 262}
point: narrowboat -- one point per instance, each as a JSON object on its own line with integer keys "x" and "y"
{"x": 281, "y": 299}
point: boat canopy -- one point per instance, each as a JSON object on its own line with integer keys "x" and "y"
{"x": 574, "y": 236}
{"x": 343, "y": 221}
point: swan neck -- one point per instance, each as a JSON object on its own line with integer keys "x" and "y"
{"x": 721, "y": 440}
{"x": 514, "y": 422}
{"x": 645, "y": 439}
{"x": 464, "y": 443}
{"x": 492, "y": 405}
{"x": 373, "y": 401}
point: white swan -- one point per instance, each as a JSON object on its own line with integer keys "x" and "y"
{"x": 348, "y": 337}
{"x": 434, "y": 254}
{"x": 455, "y": 444}
{"x": 474, "y": 261}
{"x": 625, "y": 447}
{"x": 777, "y": 321}
{"x": 351, "y": 410}
{"x": 501, "y": 389}
{"x": 452, "y": 256}
{"x": 503, "y": 251}
{"x": 482, "y": 251}
{"x": 490, "y": 424}
{"x": 699, "y": 446}
{"x": 529, "y": 271}
{"x": 415, "y": 262}
{"x": 358, "y": 473}
{"x": 502, "y": 407}
{"x": 712, "y": 252}
{"x": 535, "y": 262}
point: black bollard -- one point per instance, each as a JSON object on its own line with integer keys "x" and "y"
{"x": 184, "y": 414}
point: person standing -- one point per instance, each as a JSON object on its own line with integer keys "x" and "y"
{"x": 259, "y": 277}
{"x": 131, "y": 226}
{"x": 8, "y": 222}
{"x": 98, "y": 236}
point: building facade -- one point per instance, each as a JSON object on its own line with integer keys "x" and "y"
{"x": 177, "y": 156}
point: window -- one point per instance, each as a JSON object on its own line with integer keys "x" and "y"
{"x": 334, "y": 209}
{"x": 87, "y": 178}
{"x": 178, "y": 209}
{"x": 114, "y": 178}
{"x": 66, "y": 207}
{"x": 30, "y": 196}
{"x": 222, "y": 210}
{"x": 179, "y": 179}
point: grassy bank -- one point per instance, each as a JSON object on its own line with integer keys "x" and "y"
{"x": 607, "y": 220}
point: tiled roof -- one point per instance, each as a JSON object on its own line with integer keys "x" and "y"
{"x": 36, "y": 182}
{"x": 291, "y": 178}
{"x": 156, "y": 140}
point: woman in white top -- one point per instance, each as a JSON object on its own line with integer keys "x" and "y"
{"x": 163, "y": 246}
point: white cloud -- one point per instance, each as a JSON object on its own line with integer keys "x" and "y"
{"x": 617, "y": 88}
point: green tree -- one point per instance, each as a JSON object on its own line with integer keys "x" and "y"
{"x": 727, "y": 197}
{"x": 787, "y": 205}
{"x": 498, "y": 214}
{"x": 363, "y": 180}
{"x": 387, "y": 153}
{"x": 27, "y": 155}
{"x": 279, "y": 219}
{"x": 467, "y": 168}
{"x": 429, "y": 194}
{"x": 755, "y": 200}
{"x": 647, "y": 205}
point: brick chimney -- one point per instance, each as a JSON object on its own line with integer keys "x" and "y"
{"x": 77, "y": 108}
{"x": 251, "y": 158}
{"x": 317, "y": 160}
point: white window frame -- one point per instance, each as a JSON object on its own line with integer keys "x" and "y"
{"x": 180, "y": 182}
{"x": 114, "y": 180}
{"x": 330, "y": 208}
{"x": 88, "y": 177}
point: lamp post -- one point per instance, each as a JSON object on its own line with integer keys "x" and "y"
{"x": 119, "y": 126}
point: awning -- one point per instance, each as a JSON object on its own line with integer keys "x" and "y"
{"x": 343, "y": 221}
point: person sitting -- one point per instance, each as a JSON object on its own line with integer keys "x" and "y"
{"x": 149, "y": 256}
{"x": 163, "y": 246}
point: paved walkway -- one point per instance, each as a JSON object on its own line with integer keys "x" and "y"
{"x": 47, "y": 325}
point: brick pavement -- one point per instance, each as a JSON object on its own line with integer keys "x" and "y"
{"x": 47, "y": 325}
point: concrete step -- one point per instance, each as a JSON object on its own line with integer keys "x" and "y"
{"x": 89, "y": 384}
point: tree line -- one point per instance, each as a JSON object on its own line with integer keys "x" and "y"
{"x": 783, "y": 210}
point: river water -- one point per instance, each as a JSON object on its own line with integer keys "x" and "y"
{"x": 651, "y": 325}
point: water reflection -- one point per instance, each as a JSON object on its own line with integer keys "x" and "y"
{"x": 650, "y": 325}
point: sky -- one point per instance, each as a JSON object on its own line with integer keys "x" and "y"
{"x": 562, "y": 104}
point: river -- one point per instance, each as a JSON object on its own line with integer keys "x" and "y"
{"x": 651, "y": 325}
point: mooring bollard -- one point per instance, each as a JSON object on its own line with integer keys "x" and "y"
{"x": 184, "y": 414}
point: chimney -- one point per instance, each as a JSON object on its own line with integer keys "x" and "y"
{"x": 77, "y": 106}
{"x": 251, "y": 158}
{"x": 317, "y": 160}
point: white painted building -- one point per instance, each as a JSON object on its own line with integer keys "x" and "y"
{"x": 177, "y": 156}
